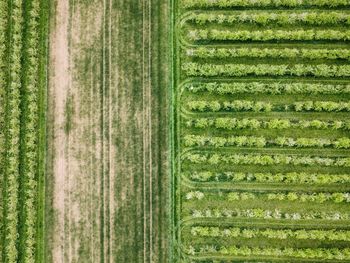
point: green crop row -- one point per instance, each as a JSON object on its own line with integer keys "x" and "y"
{"x": 261, "y": 106}
{"x": 30, "y": 135}
{"x": 265, "y": 159}
{"x": 268, "y": 35}
{"x": 13, "y": 133}
{"x": 278, "y": 124}
{"x": 277, "y": 18}
{"x": 285, "y": 178}
{"x": 262, "y": 3}
{"x": 267, "y": 214}
{"x": 302, "y": 234}
{"x": 292, "y": 196}
{"x": 260, "y": 142}
{"x": 282, "y": 53}
{"x": 306, "y": 253}
{"x": 240, "y": 70}
{"x": 3, "y": 64}
{"x": 267, "y": 88}
{"x": 318, "y": 197}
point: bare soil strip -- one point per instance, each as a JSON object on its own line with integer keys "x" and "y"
{"x": 59, "y": 75}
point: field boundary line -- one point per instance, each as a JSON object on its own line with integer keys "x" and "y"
{"x": 111, "y": 167}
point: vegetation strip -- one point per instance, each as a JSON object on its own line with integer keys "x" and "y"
{"x": 262, "y": 3}
{"x": 285, "y": 178}
{"x": 12, "y": 175}
{"x": 226, "y": 123}
{"x": 30, "y": 124}
{"x": 290, "y": 53}
{"x": 269, "y": 35}
{"x": 314, "y": 253}
{"x": 261, "y": 130}
{"x": 265, "y": 159}
{"x": 274, "y": 88}
{"x": 267, "y": 214}
{"x": 265, "y": 18}
{"x": 260, "y": 142}
{"x": 240, "y": 70}
{"x": 236, "y": 232}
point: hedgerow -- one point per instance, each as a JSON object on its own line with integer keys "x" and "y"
{"x": 262, "y": 106}
{"x": 319, "y": 197}
{"x": 265, "y": 159}
{"x": 226, "y": 123}
{"x": 268, "y": 35}
{"x": 275, "y": 88}
{"x": 284, "y": 178}
{"x": 260, "y": 141}
{"x": 267, "y": 214}
{"x": 13, "y": 133}
{"x": 3, "y": 64}
{"x": 290, "y": 53}
{"x": 30, "y": 127}
{"x": 263, "y": 3}
{"x": 309, "y": 253}
{"x": 239, "y": 70}
{"x": 280, "y": 18}
{"x": 302, "y": 234}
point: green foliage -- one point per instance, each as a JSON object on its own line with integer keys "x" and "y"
{"x": 236, "y": 105}
{"x": 327, "y": 106}
{"x": 30, "y": 135}
{"x": 260, "y": 142}
{"x": 285, "y": 178}
{"x": 226, "y": 123}
{"x": 268, "y": 35}
{"x": 282, "y": 53}
{"x": 236, "y": 232}
{"x": 319, "y": 197}
{"x": 13, "y": 133}
{"x": 262, "y": 106}
{"x": 192, "y": 69}
{"x": 305, "y": 253}
{"x": 274, "y": 88}
{"x": 262, "y": 3}
{"x": 280, "y": 18}
{"x": 266, "y": 159}
{"x": 267, "y": 214}
{"x": 3, "y": 41}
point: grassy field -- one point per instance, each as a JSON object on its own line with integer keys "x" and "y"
{"x": 108, "y": 132}
{"x": 261, "y": 135}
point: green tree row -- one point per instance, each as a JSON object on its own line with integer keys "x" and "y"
{"x": 30, "y": 126}
{"x": 282, "y": 53}
{"x": 269, "y": 35}
{"x": 12, "y": 175}
{"x": 266, "y": 159}
{"x": 236, "y": 232}
{"x": 226, "y": 123}
{"x": 263, "y": 3}
{"x": 260, "y": 142}
{"x": 321, "y": 106}
{"x": 285, "y": 178}
{"x": 280, "y": 18}
{"x": 3, "y": 69}
{"x": 239, "y": 70}
{"x": 274, "y": 88}
{"x": 262, "y": 106}
{"x": 318, "y": 197}
{"x": 268, "y": 214}
{"x": 305, "y": 253}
